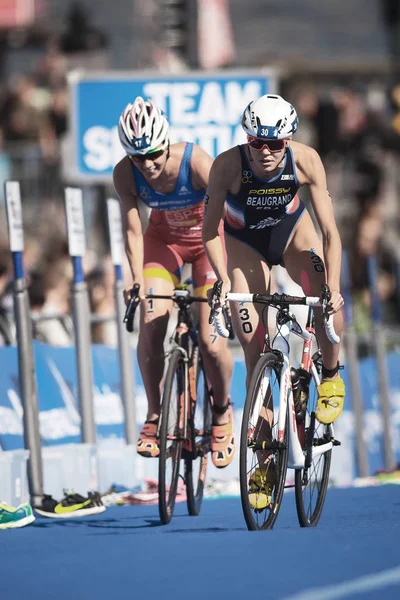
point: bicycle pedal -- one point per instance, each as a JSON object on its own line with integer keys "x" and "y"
{"x": 336, "y": 443}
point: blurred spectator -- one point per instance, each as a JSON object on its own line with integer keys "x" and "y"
{"x": 351, "y": 118}
{"x": 369, "y": 242}
{"x": 368, "y": 173}
{"x": 100, "y": 283}
{"x": 50, "y": 299}
{"x": 33, "y": 251}
{"x": 306, "y": 101}
{"x": 58, "y": 112}
{"x": 327, "y": 125}
{"x": 54, "y": 127}
{"x": 80, "y": 35}
{"x": 51, "y": 68}
{"x": 23, "y": 111}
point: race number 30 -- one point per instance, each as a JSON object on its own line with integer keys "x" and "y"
{"x": 245, "y": 318}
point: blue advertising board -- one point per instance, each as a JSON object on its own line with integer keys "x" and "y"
{"x": 60, "y": 421}
{"x": 58, "y": 398}
{"x": 205, "y": 109}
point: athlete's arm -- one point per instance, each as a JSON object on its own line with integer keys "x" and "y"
{"x": 221, "y": 177}
{"x": 314, "y": 171}
{"x": 200, "y": 165}
{"x": 125, "y": 187}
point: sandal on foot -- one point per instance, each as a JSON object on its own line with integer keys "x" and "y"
{"x": 223, "y": 441}
{"x": 147, "y": 444}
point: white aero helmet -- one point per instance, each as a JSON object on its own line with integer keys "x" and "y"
{"x": 143, "y": 128}
{"x": 270, "y": 117}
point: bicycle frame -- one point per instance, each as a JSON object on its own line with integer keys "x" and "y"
{"x": 280, "y": 343}
{"x": 287, "y": 323}
{"x": 179, "y": 438}
{"x": 184, "y": 327}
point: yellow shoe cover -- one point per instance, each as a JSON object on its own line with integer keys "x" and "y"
{"x": 261, "y": 486}
{"x": 330, "y": 399}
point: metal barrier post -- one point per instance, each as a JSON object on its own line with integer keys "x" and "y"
{"x": 124, "y": 347}
{"x": 379, "y": 346}
{"x": 81, "y": 313}
{"x": 26, "y": 361}
{"x": 350, "y": 343}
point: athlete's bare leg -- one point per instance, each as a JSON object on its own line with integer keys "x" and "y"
{"x": 154, "y": 317}
{"x": 309, "y": 272}
{"x": 248, "y": 272}
{"x": 218, "y": 361}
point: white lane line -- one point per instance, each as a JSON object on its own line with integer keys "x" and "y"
{"x": 347, "y": 588}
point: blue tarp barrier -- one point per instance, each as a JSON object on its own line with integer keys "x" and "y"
{"x": 59, "y": 405}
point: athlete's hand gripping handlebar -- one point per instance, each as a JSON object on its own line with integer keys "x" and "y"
{"x": 219, "y": 313}
{"x": 131, "y": 308}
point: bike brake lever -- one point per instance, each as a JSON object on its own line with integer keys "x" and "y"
{"x": 131, "y": 308}
{"x": 325, "y": 297}
{"x": 215, "y": 298}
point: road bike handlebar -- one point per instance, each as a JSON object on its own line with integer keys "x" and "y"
{"x": 183, "y": 293}
{"x": 276, "y": 300}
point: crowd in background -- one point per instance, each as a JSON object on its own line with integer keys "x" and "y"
{"x": 350, "y": 126}
{"x": 352, "y": 129}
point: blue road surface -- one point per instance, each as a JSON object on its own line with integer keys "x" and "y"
{"x": 125, "y": 554}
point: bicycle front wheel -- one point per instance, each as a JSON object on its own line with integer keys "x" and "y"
{"x": 263, "y": 452}
{"x": 171, "y": 435}
{"x": 196, "y": 464}
{"x": 311, "y": 483}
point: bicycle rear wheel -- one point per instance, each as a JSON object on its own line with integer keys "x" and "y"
{"x": 196, "y": 468}
{"x": 170, "y": 436}
{"x": 311, "y": 483}
{"x": 260, "y": 447}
